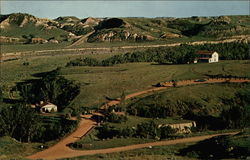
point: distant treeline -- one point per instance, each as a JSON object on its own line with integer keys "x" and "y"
{"x": 170, "y": 55}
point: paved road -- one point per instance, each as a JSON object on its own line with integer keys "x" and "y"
{"x": 60, "y": 150}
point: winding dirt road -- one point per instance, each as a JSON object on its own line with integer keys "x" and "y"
{"x": 66, "y": 153}
{"x": 60, "y": 150}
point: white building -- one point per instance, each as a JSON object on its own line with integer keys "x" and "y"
{"x": 206, "y": 56}
{"x": 48, "y": 107}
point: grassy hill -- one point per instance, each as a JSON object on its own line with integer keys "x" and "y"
{"x": 20, "y": 25}
{"x": 123, "y": 29}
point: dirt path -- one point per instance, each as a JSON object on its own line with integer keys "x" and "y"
{"x": 81, "y": 40}
{"x": 67, "y": 152}
{"x": 60, "y": 150}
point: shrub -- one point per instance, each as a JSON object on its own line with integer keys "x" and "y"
{"x": 112, "y": 117}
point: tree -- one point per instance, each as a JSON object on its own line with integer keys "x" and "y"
{"x": 148, "y": 130}
{"x": 167, "y": 131}
{"x": 1, "y": 95}
{"x": 237, "y": 116}
{"x": 52, "y": 87}
{"x": 122, "y": 101}
{"x": 19, "y": 121}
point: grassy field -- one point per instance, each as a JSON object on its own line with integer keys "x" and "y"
{"x": 130, "y": 78}
{"x": 112, "y": 81}
{"x": 12, "y": 149}
{"x": 32, "y": 47}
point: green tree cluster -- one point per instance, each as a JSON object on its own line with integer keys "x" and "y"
{"x": 112, "y": 117}
{"x": 52, "y": 88}
{"x": 1, "y": 95}
{"x": 149, "y": 130}
{"x": 170, "y": 55}
{"x": 21, "y": 122}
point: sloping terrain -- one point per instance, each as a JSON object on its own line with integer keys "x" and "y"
{"x": 71, "y": 28}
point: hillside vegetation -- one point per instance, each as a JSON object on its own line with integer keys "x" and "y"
{"x": 25, "y": 26}
{"x": 231, "y": 146}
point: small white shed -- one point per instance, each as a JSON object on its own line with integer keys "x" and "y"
{"x": 48, "y": 107}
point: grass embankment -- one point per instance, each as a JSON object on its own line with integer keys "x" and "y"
{"x": 224, "y": 147}
{"x": 154, "y": 153}
{"x": 32, "y": 47}
{"x": 12, "y": 149}
{"x": 205, "y": 98}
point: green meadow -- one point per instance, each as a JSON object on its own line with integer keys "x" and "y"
{"x": 100, "y": 82}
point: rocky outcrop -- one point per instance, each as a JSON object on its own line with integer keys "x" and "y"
{"x": 4, "y": 24}
{"x": 14, "y": 40}
{"x": 39, "y": 40}
{"x": 90, "y": 21}
{"x": 111, "y": 36}
{"x": 21, "y": 20}
{"x": 53, "y": 41}
{"x": 170, "y": 35}
{"x": 182, "y": 127}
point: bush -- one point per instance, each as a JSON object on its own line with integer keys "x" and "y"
{"x": 148, "y": 130}
{"x": 167, "y": 131}
{"x": 112, "y": 117}
{"x": 26, "y": 63}
{"x": 87, "y": 61}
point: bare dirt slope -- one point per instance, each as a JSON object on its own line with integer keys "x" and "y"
{"x": 83, "y": 39}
